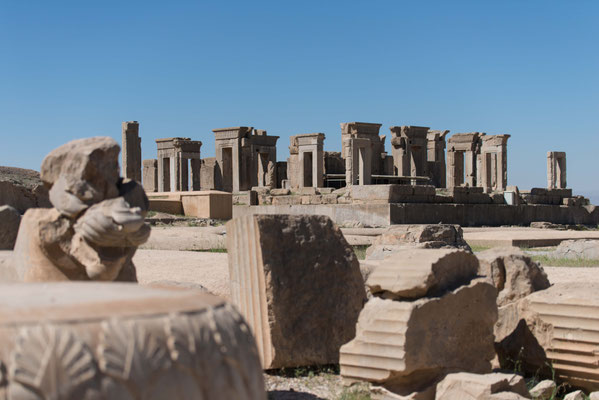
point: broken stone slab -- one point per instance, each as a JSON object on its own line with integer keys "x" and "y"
{"x": 419, "y": 273}
{"x": 298, "y": 284}
{"x": 123, "y": 341}
{"x": 512, "y": 272}
{"x": 575, "y": 395}
{"x": 9, "y": 227}
{"x": 544, "y": 390}
{"x": 406, "y": 346}
{"x": 575, "y": 249}
{"x": 398, "y": 237}
{"x": 572, "y": 312}
{"x": 464, "y": 385}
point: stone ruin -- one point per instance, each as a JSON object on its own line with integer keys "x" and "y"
{"x": 300, "y": 308}
{"x": 107, "y": 340}
{"x": 131, "y": 143}
{"x": 305, "y": 166}
{"x": 556, "y": 170}
{"x": 173, "y": 165}
{"x": 95, "y": 225}
{"x": 427, "y": 308}
{"x": 101, "y": 341}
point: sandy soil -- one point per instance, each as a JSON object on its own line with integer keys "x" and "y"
{"x": 186, "y": 238}
{"x": 210, "y": 270}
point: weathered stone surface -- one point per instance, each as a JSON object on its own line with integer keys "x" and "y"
{"x": 22, "y": 189}
{"x": 9, "y": 227}
{"x": 298, "y": 283}
{"x": 81, "y": 173}
{"x": 463, "y": 385}
{"x": 514, "y": 274}
{"x": 588, "y": 249}
{"x": 543, "y": 390}
{"x": 398, "y": 237}
{"x": 408, "y": 345}
{"x": 572, "y": 312}
{"x": 576, "y": 395}
{"x": 594, "y": 396}
{"x": 419, "y": 272}
{"x": 123, "y": 341}
{"x": 96, "y": 225}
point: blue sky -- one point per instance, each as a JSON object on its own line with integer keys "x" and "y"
{"x": 71, "y": 69}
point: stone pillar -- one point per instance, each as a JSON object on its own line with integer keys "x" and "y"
{"x": 183, "y": 173}
{"x": 196, "y": 180}
{"x": 556, "y": 170}
{"x": 131, "y": 143}
{"x": 150, "y": 175}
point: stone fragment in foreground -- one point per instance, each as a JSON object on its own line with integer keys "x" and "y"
{"x": 544, "y": 390}
{"x": 464, "y": 385}
{"x": 571, "y": 311}
{"x": 419, "y": 272}
{"x": 101, "y": 341}
{"x": 512, "y": 272}
{"x": 298, "y": 284}
{"x": 406, "y": 346}
{"x": 10, "y": 219}
{"x": 575, "y": 395}
{"x": 399, "y": 237}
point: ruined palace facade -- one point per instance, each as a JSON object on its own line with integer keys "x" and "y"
{"x": 246, "y": 158}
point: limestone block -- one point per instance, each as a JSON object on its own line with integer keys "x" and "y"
{"x": 420, "y": 272}
{"x": 10, "y": 219}
{"x": 212, "y": 204}
{"x": 582, "y": 248}
{"x": 572, "y": 312}
{"x": 168, "y": 206}
{"x": 512, "y": 272}
{"x": 575, "y": 395}
{"x": 279, "y": 192}
{"x": 463, "y": 385}
{"x": 298, "y": 284}
{"x": 544, "y": 390}
{"x": 329, "y": 198}
{"x": 408, "y": 345}
{"x": 397, "y": 237}
{"x": 286, "y": 200}
{"x": 123, "y": 341}
{"x": 306, "y": 191}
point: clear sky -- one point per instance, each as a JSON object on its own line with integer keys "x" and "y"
{"x": 71, "y": 69}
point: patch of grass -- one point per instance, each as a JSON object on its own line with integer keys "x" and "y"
{"x": 360, "y": 250}
{"x": 150, "y": 214}
{"x": 209, "y": 250}
{"x": 565, "y": 262}
{"x": 309, "y": 372}
{"x": 477, "y": 248}
{"x": 356, "y": 392}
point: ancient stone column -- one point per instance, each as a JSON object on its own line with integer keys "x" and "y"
{"x": 131, "y": 143}
{"x": 150, "y": 175}
{"x": 92, "y": 341}
{"x": 556, "y": 170}
{"x": 298, "y": 283}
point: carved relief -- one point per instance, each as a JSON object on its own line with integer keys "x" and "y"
{"x": 52, "y": 361}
